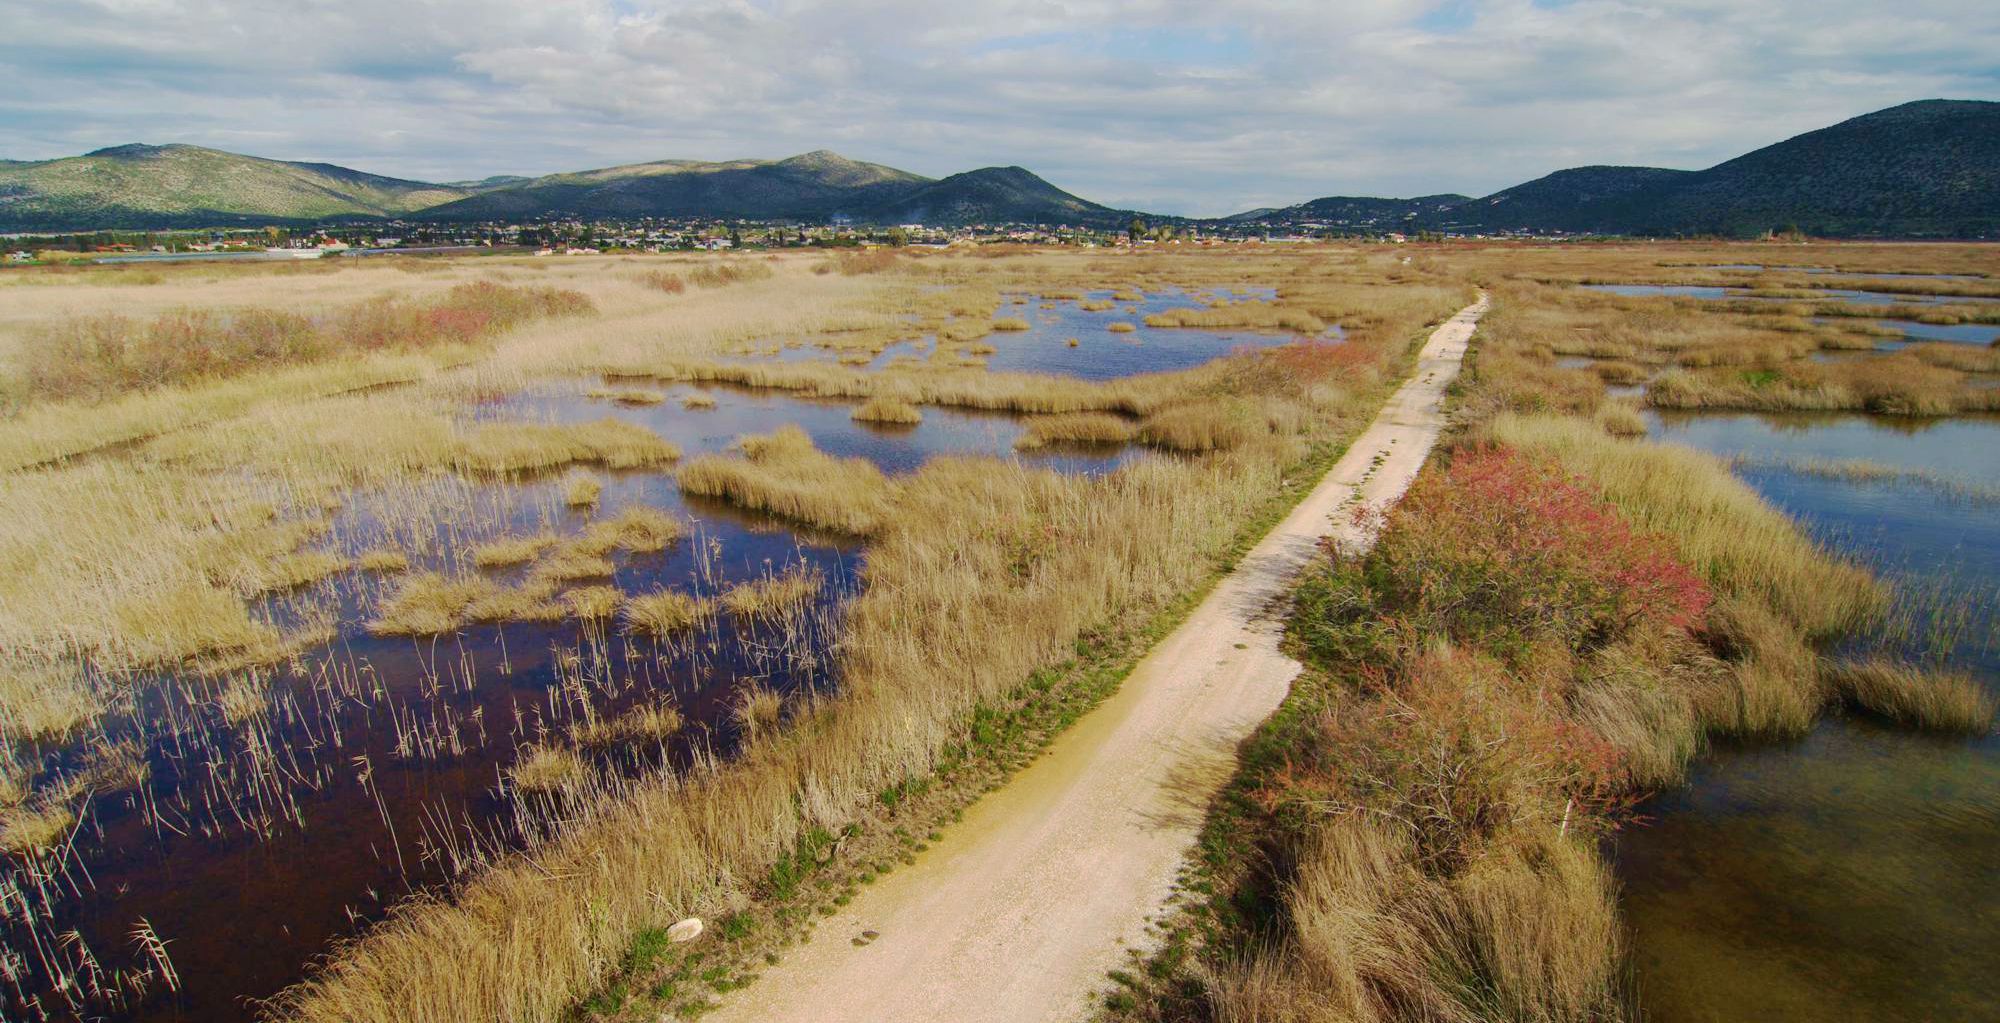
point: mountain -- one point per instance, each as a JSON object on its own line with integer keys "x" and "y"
{"x": 1924, "y": 169}
{"x": 992, "y": 195}
{"x": 139, "y": 186}
{"x": 1929, "y": 169}
{"x": 1568, "y": 200}
{"x": 1358, "y": 212}
{"x": 812, "y": 186}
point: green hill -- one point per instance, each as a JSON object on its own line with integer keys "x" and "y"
{"x": 993, "y": 195}
{"x": 811, "y": 186}
{"x": 1929, "y": 169}
{"x": 1924, "y": 169}
{"x": 139, "y": 186}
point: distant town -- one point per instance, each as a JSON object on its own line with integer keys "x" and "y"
{"x": 581, "y": 237}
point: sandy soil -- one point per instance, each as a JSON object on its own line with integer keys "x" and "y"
{"x": 1017, "y": 912}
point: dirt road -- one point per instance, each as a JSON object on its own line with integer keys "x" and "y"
{"x": 1016, "y": 914}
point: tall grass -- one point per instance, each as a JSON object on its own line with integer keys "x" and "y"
{"x": 979, "y": 573}
{"x": 95, "y": 357}
{"x": 782, "y": 473}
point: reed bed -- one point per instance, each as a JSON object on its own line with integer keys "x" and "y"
{"x": 1938, "y": 701}
{"x": 892, "y": 411}
{"x": 782, "y": 473}
{"x": 1076, "y": 428}
{"x": 978, "y": 574}
{"x": 1414, "y": 834}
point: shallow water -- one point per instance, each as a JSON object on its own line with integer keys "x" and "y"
{"x": 375, "y": 769}
{"x": 1100, "y": 353}
{"x": 1850, "y": 875}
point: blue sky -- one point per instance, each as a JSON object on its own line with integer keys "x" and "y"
{"x": 1169, "y": 105}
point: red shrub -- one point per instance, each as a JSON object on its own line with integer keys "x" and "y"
{"x": 1502, "y": 551}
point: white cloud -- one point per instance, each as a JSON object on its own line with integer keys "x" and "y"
{"x": 1171, "y": 105}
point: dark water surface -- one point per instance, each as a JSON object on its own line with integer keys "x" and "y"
{"x": 1854, "y": 874}
{"x": 375, "y": 767}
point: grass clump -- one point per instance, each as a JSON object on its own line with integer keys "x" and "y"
{"x": 782, "y": 473}
{"x": 26, "y": 829}
{"x": 1203, "y": 426}
{"x": 888, "y": 410}
{"x": 665, "y": 613}
{"x": 1121, "y": 327}
{"x": 757, "y": 711}
{"x": 1939, "y": 701}
{"x": 582, "y": 492}
{"x": 1010, "y": 323}
{"x": 429, "y": 604}
{"x": 383, "y": 561}
{"x": 1075, "y": 428}
{"x": 510, "y": 551}
{"x": 97, "y": 357}
{"x": 774, "y": 596}
{"x": 593, "y": 603}
{"x": 648, "y": 723}
{"x": 515, "y": 448}
{"x": 546, "y": 769}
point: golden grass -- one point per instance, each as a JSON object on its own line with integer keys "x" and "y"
{"x": 1939, "y": 701}
{"x": 626, "y": 396}
{"x": 513, "y": 448}
{"x": 383, "y": 560}
{"x": 593, "y": 603}
{"x": 651, "y": 723}
{"x": 428, "y": 604}
{"x": 582, "y": 492}
{"x": 665, "y": 613}
{"x": 1121, "y": 327}
{"x": 545, "y": 769}
{"x": 773, "y": 596}
{"x": 782, "y": 473}
{"x": 185, "y": 502}
{"x": 24, "y": 829}
{"x": 1214, "y": 425}
{"x": 757, "y": 711}
{"x": 699, "y": 402}
{"x": 1075, "y": 428}
{"x": 638, "y": 528}
{"x": 1240, "y": 315}
{"x": 42, "y": 698}
{"x": 1620, "y": 420}
{"x": 888, "y": 410}
{"x": 985, "y": 572}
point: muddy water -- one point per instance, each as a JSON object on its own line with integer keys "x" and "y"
{"x": 375, "y": 767}
{"x": 1850, "y": 875}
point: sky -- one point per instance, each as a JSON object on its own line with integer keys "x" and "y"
{"x": 1195, "y": 107}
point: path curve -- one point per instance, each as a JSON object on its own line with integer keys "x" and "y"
{"x": 1019, "y": 910}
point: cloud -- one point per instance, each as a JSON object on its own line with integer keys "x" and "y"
{"x": 1170, "y": 105}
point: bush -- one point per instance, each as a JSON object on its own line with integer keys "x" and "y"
{"x": 1501, "y": 551}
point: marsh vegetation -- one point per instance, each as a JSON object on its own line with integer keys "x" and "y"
{"x": 1563, "y": 620}
{"x": 576, "y": 592}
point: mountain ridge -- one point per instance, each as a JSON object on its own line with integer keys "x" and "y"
{"x": 1929, "y": 168}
